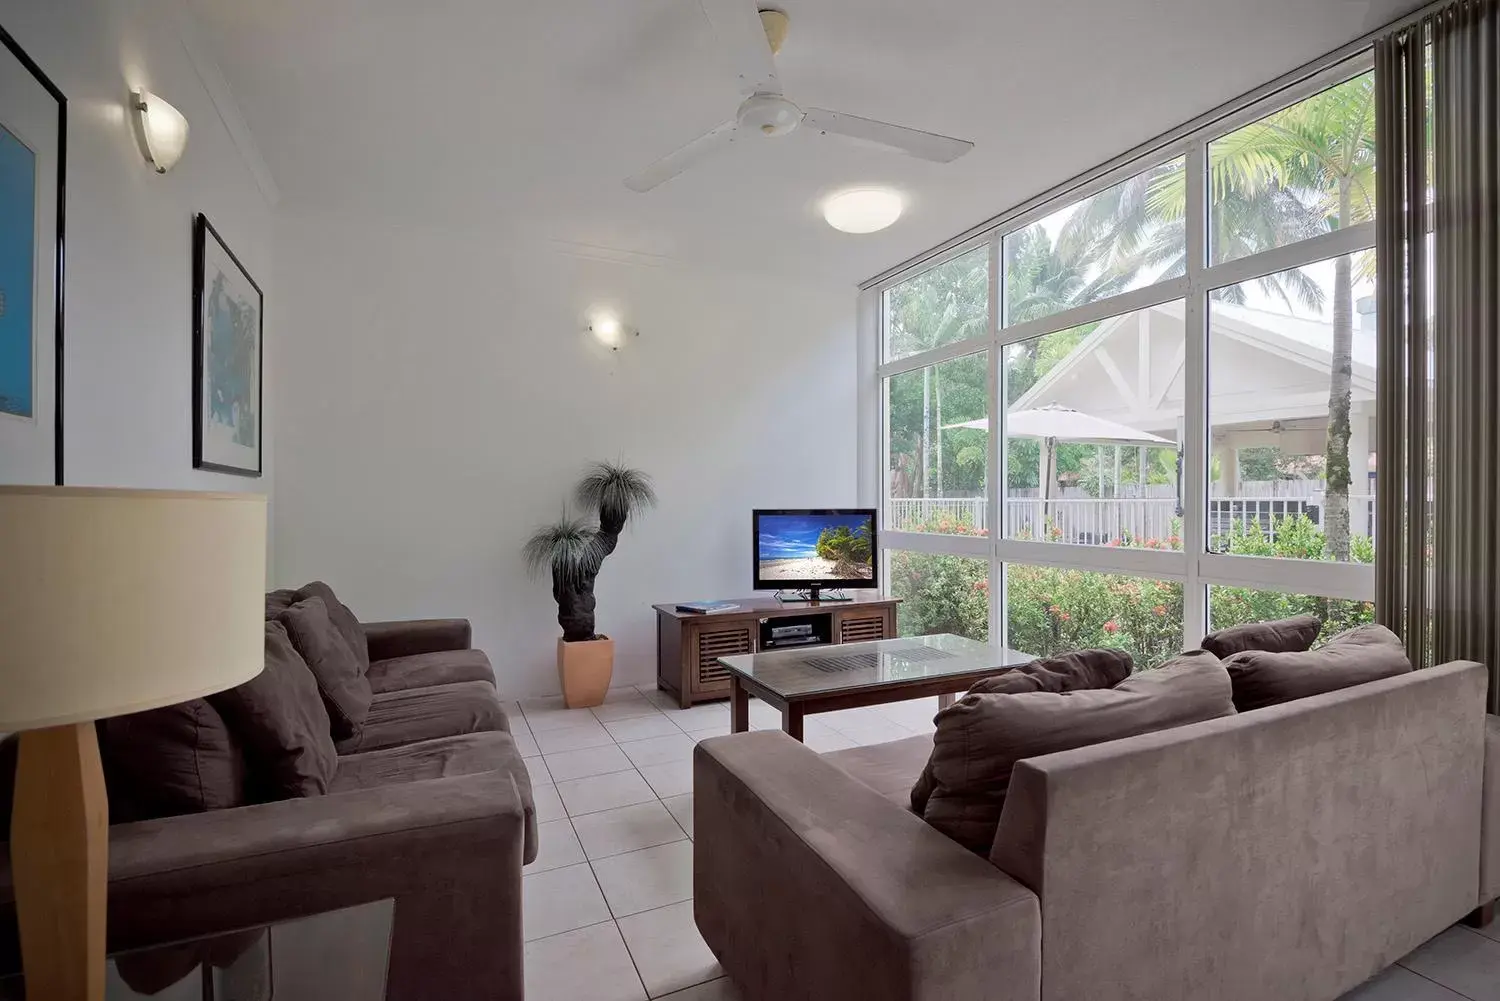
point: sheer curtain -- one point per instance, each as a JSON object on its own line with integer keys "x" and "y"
{"x": 1438, "y": 434}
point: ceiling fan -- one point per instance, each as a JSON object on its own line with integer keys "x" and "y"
{"x": 753, "y": 38}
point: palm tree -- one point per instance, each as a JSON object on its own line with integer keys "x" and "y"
{"x": 946, "y": 304}
{"x": 1303, "y": 171}
{"x": 1325, "y": 147}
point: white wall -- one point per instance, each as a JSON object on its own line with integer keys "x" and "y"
{"x": 128, "y": 349}
{"x": 439, "y": 397}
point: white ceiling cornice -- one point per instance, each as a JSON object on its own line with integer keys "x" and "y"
{"x": 209, "y": 74}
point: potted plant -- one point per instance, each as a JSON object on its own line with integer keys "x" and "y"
{"x": 574, "y": 550}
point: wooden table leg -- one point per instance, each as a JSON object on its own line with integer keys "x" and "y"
{"x": 739, "y": 706}
{"x": 947, "y": 699}
{"x": 791, "y": 720}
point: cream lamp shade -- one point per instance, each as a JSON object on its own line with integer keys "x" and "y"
{"x": 117, "y": 601}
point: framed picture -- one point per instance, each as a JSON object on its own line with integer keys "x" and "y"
{"x": 228, "y": 324}
{"x": 33, "y": 175}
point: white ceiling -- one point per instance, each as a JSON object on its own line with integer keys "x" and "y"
{"x": 527, "y": 116}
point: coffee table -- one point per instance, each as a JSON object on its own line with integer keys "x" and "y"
{"x": 820, "y": 679}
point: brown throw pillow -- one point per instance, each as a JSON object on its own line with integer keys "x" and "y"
{"x": 1281, "y": 636}
{"x": 1364, "y": 653}
{"x": 1067, "y": 672}
{"x": 342, "y": 618}
{"x": 278, "y": 602}
{"x": 279, "y": 715}
{"x": 170, "y": 761}
{"x": 344, "y": 687}
{"x": 980, "y": 738}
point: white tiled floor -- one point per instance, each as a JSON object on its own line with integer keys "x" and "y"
{"x": 608, "y": 902}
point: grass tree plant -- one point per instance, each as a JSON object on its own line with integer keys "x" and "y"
{"x": 573, "y": 550}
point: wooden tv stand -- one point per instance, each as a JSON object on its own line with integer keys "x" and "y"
{"x": 689, "y": 644}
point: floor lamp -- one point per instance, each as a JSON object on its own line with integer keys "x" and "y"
{"x": 111, "y": 602}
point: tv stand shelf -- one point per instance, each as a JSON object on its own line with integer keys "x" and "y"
{"x": 689, "y": 644}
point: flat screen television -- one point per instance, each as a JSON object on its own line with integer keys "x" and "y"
{"x": 815, "y": 549}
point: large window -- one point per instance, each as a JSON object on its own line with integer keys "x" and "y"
{"x": 938, "y": 447}
{"x": 1145, "y": 407}
{"x": 1291, "y": 411}
{"x": 1093, "y": 418}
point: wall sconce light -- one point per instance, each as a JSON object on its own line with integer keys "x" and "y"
{"x": 162, "y": 130}
{"x": 610, "y": 332}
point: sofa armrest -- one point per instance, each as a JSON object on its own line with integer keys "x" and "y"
{"x": 808, "y": 884}
{"x": 388, "y": 640}
{"x": 1489, "y": 845}
{"x": 447, "y": 850}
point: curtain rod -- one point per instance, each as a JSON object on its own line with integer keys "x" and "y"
{"x": 1203, "y": 121}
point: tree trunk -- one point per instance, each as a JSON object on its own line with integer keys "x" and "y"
{"x": 1336, "y": 460}
{"x": 575, "y": 608}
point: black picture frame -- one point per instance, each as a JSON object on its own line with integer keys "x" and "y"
{"x": 203, "y": 230}
{"x": 9, "y": 44}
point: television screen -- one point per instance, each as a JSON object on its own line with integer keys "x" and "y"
{"x": 834, "y": 548}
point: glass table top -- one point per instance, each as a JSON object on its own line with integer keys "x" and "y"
{"x": 819, "y": 670}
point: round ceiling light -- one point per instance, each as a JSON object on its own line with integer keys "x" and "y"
{"x": 863, "y": 210}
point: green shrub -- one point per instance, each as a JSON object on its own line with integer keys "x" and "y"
{"x": 1051, "y": 610}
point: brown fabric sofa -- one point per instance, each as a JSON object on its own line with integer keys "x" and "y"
{"x": 430, "y": 806}
{"x": 1289, "y": 852}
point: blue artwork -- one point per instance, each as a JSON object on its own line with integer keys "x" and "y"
{"x": 17, "y": 260}
{"x": 233, "y": 335}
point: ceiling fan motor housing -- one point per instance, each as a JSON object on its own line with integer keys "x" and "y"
{"x": 770, "y": 114}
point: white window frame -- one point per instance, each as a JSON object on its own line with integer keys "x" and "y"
{"x": 1194, "y": 566}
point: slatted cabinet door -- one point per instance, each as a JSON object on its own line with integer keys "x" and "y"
{"x": 713, "y": 642}
{"x": 863, "y": 626}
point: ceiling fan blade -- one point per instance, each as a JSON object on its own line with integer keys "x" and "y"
{"x": 738, "y": 27}
{"x": 718, "y": 138}
{"x": 923, "y": 145}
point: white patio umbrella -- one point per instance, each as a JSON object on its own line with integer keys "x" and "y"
{"x": 1054, "y": 423}
{"x": 1067, "y": 424}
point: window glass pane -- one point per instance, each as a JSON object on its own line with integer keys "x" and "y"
{"x": 941, "y": 594}
{"x": 1301, "y": 172}
{"x": 1050, "y": 611}
{"x": 951, "y": 302}
{"x": 1232, "y": 606}
{"x": 1094, "y": 415}
{"x": 939, "y": 448}
{"x": 1125, "y": 237}
{"x": 1286, "y": 352}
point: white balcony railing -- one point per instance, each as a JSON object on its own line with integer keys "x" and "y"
{"x": 1094, "y": 521}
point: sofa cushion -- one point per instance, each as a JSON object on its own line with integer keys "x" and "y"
{"x": 1281, "y": 636}
{"x": 345, "y": 690}
{"x": 980, "y": 738}
{"x": 1364, "y": 653}
{"x": 406, "y": 717}
{"x": 345, "y": 621}
{"x": 423, "y": 670}
{"x": 444, "y": 757}
{"x": 888, "y": 768}
{"x": 1066, "y": 672}
{"x": 280, "y": 717}
{"x": 170, "y": 761}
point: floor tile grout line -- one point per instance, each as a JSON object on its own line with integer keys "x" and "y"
{"x": 1418, "y": 973}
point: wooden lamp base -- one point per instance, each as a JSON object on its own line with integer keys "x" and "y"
{"x": 59, "y": 844}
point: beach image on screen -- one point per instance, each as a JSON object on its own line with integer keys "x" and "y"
{"x": 795, "y": 547}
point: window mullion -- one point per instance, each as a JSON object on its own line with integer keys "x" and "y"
{"x": 1194, "y": 440}
{"x": 995, "y": 488}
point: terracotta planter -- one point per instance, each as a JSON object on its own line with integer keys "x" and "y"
{"x": 584, "y": 668}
